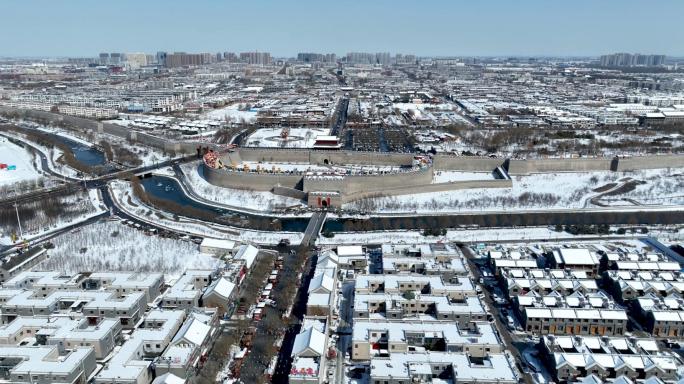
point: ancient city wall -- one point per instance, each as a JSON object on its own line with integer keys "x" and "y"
{"x": 368, "y": 183}
{"x": 111, "y": 129}
{"x": 288, "y": 155}
{"x": 523, "y": 167}
{"x": 365, "y": 158}
{"x": 289, "y": 192}
{"x": 441, "y": 162}
{"x": 246, "y": 180}
{"x": 649, "y": 162}
{"x": 438, "y": 187}
{"x": 274, "y": 155}
{"x": 466, "y": 163}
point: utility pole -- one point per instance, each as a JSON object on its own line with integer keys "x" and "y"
{"x": 16, "y": 208}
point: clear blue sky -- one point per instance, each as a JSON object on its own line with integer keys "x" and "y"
{"x": 285, "y": 27}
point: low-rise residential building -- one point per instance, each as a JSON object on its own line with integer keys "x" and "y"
{"x": 661, "y": 316}
{"x": 64, "y": 332}
{"x": 628, "y": 285}
{"x": 188, "y": 349}
{"x": 309, "y": 355}
{"x": 371, "y": 338}
{"x": 322, "y": 291}
{"x": 400, "y": 307}
{"x": 543, "y": 282}
{"x": 94, "y": 305}
{"x": 217, "y": 246}
{"x": 405, "y": 368}
{"x": 459, "y": 289}
{"x": 352, "y": 257}
{"x": 47, "y": 364}
{"x": 571, "y": 357}
{"x": 574, "y": 321}
{"x": 219, "y": 294}
{"x": 131, "y": 363}
{"x": 584, "y": 259}
{"x": 187, "y": 291}
{"x": 12, "y": 265}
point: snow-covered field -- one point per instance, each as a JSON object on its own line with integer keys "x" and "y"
{"x": 465, "y": 235}
{"x": 664, "y": 186}
{"x": 298, "y": 138}
{"x": 53, "y": 155}
{"x": 231, "y": 113}
{"x": 40, "y": 218}
{"x": 12, "y": 154}
{"x": 239, "y": 198}
{"x": 112, "y": 246}
{"x": 535, "y": 191}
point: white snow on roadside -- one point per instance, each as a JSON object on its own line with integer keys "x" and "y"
{"x": 64, "y": 133}
{"x": 464, "y": 235}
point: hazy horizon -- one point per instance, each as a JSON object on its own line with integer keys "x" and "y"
{"x": 496, "y": 28}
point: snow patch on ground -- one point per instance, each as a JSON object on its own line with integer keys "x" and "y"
{"x": 77, "y": 208}
{"x": 534, "y": 191}
{"x": 449, "y": 176}
{"x": 239, "y": 198}
{"x": 465, "y": 235}
{"x": 112, "y": 246}
{"x": 12, "y": 154}
{"x": 298, "y": 137}
{"x": 231, "y": 113}
{"x": 125, "y": 200}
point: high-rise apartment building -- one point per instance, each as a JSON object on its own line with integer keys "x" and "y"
{"x": 317, "y": 57}
{"x": 383, "y": 58}
{"x": 259, "y": 58}
{"x": 182, "y": 59}
{"x": 631, "y": 60}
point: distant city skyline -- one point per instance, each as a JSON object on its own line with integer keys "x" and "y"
{"x": 43, "y": 28}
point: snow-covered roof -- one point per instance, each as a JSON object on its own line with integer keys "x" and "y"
{"x": 321, "y": 281}
{"x": 217, "y": 243}
{"x": 168, "y": 378}
{"x": 350, "y": 250}
{"x": 221, "y": 287}
{"x": 311, "y": 339}
{"x": 193, "y": 331}
{"x": 578, "y": 256}
{"x": 248, "y": 253}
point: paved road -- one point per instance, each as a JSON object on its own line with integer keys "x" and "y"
{"x": 344, "y": 340}
{"x": 314, "y": 228}
{"x": 284, "y": 363}
{"x": 494, "y": 309}
{"x": 342, "y": 108}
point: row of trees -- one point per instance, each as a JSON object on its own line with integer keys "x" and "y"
{"x": 49, "y": 141}
{"x": 45, "y": 213}
{"x": 253, "y": 222}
